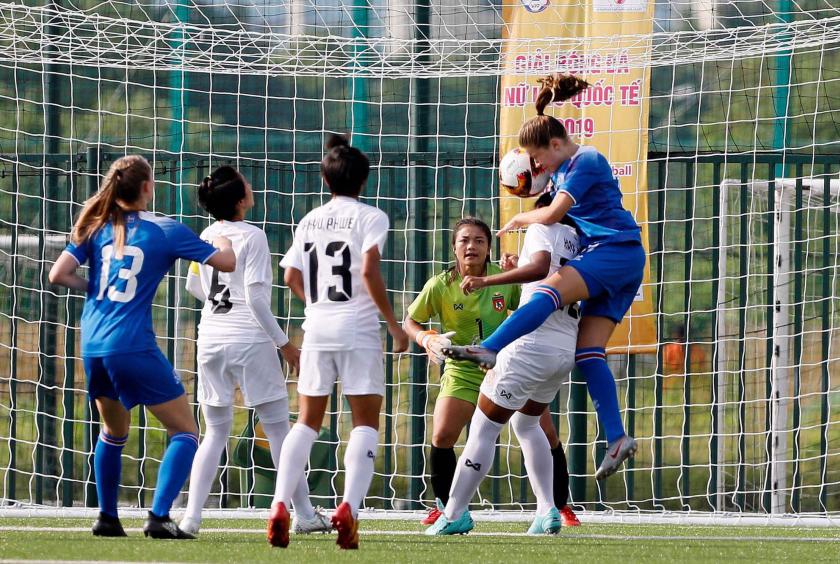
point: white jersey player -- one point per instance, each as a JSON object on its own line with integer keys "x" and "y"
{"x": 238, "y": 338}
{"x": 527, "y": 376}
{"x": 333, "y": 266}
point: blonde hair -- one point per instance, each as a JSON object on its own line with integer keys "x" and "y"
{"x": 121, "y": 186}
{"x": 540, "y": 129}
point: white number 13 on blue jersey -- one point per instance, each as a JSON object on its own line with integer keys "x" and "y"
{"x": 127, "y": 274}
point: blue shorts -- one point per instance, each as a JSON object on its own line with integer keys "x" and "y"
{"x": 613, "y": 274}
{"x": 137, "y": 378}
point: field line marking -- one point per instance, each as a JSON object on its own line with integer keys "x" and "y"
{"x": 593, "y": 536}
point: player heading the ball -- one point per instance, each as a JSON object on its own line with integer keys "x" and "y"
{"x": 129, "y": 251}
{"x": 333, "y": 266}
{"x": 606, "y": 275}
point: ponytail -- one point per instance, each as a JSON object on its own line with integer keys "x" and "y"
{"x": 121, "y": 187}
{"x": 539, "y": 130}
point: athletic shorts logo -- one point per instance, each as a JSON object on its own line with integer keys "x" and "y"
{"x": 535, "y": 6}
{"x": 371, "y": 455}
{"x": 499, "y": 303}
{"x": 474, "y": 465}
{"x": 176, "y": 376}
{"x": 505, "y": 394}
{"x": 458, "y": 307}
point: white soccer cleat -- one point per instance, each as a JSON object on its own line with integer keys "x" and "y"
{"x": 617, "y": 452}
{"x": 319, "y": 523}
{"x": 189, "y": 525}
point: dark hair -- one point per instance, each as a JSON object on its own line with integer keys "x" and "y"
{"x": 467, "y": 221}
{"x": 541, "y": 129}
{"x": 121, "y": 185}
{"x": 544, "y": 200}
{"x": 344, "y": 168}
{"x": 221, "y": 191}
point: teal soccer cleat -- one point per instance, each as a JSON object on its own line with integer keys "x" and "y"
{"x": 460, "y": 526}
{"x": 548, "y": 524}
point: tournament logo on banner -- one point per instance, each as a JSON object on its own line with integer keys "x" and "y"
{"x": 586, "y": 39}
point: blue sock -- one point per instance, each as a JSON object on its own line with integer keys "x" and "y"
{"x": 592, "y": 362}
{"x": 107, "y": 465}
{"x": 544, "y": 301}
{"x": 174, "y": 470}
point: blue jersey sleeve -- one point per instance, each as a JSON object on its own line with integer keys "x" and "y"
{"x": 586, "y": 171}
{"x": 80, "y": 252}
{"x": 185, "y": 244}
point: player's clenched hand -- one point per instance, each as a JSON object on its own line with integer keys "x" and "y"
{"x": 400, "y": 338}
{"x": 434, "y": 343}
{"x": 291, "y": 354}
{"x": 472, "y": 283}
{"x": 508, "y": 261}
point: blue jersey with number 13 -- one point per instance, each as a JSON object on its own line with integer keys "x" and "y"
{"x": 117, "y": 316}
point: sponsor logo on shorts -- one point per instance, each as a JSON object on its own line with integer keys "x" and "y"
{"x": 505, "y": 394}
{"x": 499, "y": 302}
{"x": 371, "y": 455}
{"x": 474, "y": 465}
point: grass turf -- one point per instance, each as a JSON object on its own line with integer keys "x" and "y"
{"x": 587, "y": 543}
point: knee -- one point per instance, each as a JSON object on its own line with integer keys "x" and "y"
{"x": 523, "y": 424}
{"x": 445, "y": 438}
{"x": 274, "y": 411}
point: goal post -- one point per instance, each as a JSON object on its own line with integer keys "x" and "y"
{"x": 735, "y": 404}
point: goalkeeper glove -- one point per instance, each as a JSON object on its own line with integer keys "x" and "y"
{"x": 434, "y": 343}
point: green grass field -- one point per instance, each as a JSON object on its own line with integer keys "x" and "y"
{"x": 227, "y": 540}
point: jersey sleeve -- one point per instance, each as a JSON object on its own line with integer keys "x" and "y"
{"x": 537, "y": 238}
{"x": 375, "y": 231}
{"x": 427, "y": 304}
{"x": 257, "y": 261}
{"x": 79, "y": 252}
{"x": 293, "y": 257}
{"x": 585, "y": 172}
{"x": 185, "y": 244}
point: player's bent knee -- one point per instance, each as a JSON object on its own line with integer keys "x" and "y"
{"x": 275, "y": 411}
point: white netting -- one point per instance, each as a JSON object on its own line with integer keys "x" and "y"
{"x": 742, "y": 93}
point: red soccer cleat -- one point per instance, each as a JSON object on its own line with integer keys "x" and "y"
{"x": 278, "y": 525}
{"x": 347, "y": 527}
{"x": 569, "y": 517}
{"x": 432, "y": 516}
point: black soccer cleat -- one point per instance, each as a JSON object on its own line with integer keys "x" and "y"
{"x": 163, "y": 528}
{"x": 107, "y": 526}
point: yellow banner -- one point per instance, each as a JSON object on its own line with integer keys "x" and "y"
{"x": 592, "y": 39}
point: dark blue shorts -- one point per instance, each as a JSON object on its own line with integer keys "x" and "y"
{"x": 137, "y": 378}
{"x": 613, "y": 274}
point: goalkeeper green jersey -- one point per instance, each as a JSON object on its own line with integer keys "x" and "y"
{"x": 473, "y": 317}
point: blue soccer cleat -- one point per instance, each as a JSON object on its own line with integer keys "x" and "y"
{"x": 548, "y": 524}
{"x": 460, "y": 526}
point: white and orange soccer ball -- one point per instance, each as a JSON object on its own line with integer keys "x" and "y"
{"x": 520, "y": 176}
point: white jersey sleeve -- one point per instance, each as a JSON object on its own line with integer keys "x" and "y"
{"x": 375, "y": 231}
{"x": 257, "y": 281}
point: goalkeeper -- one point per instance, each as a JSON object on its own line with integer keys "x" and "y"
{"x": 466, "y": 319}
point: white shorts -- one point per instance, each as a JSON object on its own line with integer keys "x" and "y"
{"x": 361, "y": 372}
{"x": 253, "y": 368}
{"x": 527, "y": 370}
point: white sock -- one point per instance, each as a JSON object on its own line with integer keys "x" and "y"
{"x": 538, "y": 460}
{"x": 358, "y": 465}
{"x": 473, "y": 464}
{"x": 291, "y": 468}
{"x": 276, "y": 434}
{"x": 218, "y": 422}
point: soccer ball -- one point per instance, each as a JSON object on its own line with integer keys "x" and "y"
{"x": 520, "y": 176}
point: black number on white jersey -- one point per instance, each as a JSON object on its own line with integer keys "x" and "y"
{"x": 342, "y": 270}
{"x": 219, "y": 295}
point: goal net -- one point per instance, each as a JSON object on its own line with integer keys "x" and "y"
{"x": 735, "y": 407}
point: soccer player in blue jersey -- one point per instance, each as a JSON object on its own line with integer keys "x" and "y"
{"x": 606, "y": 275}
{"x": 128, "y": 251}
